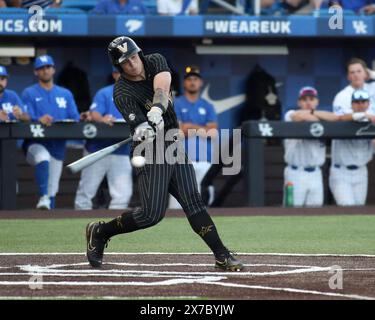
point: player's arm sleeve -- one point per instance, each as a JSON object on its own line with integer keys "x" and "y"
{"x": 288, "y": 115}
{"x": 20, "y": 103}
{"x": 72, "y": 108}
{"x": 178, "y": 112}
{"x": 28, "y": 105}
{"x": 159, "y": 64}
{"x": 129, "y": 110}
{"x": 98, "y": 103}
{"x": 211, "y": 113}
{"x": 337, "y": 106}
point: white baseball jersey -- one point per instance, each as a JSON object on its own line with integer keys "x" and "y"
{"x": 349, "y": 186}
{"x": 303, "y": 152}
{"x": 342, "y": 102}
{"x": 347, "y": 152}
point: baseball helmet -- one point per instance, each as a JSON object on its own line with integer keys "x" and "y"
{"x": 121, "y": 49}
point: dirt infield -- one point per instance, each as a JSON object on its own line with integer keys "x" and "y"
{"x": 267, "y": 276}
{"x": 261, "y": 211}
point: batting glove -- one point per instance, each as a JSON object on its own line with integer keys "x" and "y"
{"x": 144, "y": 132}
{"x": 155, "y": 118}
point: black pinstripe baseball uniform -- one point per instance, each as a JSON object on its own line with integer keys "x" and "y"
{"x": 160, "y": 176}
{"x": 134, "y": 99}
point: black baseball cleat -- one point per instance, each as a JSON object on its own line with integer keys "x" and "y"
{"x": 228, "y": 262}
{"x": 95, "y": 244}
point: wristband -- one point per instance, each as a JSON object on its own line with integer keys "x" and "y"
{"x": 358, "y": 116}
{"x": 159, "y": 106}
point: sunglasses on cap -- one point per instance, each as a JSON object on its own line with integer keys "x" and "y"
{"x": 360, "y": 95}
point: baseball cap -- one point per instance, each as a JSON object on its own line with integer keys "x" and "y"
{"x": 42, "y": 61}
{"x": 308, "y": 92}
{"x": 360, "y": 95}
{"x": 192, "y": 71}
{"x": 3, "y": 72}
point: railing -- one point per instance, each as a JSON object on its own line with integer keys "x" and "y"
{"x": 255, "y": 132}
{"x": 10, "y": 132}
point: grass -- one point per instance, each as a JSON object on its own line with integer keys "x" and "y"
{"x": 297, "y": 234}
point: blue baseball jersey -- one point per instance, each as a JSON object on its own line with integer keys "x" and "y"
{"x": 8, "y": 100}
{"x": 59, "y": 104}
{"x": 103, "y": 104}
{"x": 200, "y": 112}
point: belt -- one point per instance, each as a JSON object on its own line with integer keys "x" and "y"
{"x": 307, "y": 169}
{"x": 351, "y": 167}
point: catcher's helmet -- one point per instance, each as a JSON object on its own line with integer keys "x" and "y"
{"x": 121, "y": 49}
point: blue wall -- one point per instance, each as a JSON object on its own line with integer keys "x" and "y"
{"x": 320, "y": 66}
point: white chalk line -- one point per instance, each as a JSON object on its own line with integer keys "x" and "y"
{"x": 112, "y": 275}
{"x": 98, "y": 297}
{"x": 126, "y": 264}
{"x": 151, "y": 274}
{"x": 187, "y": 253}
{"x": 168, "y": 282}
{"x": 292, "y": 290}
{"x": 43, "y": 269}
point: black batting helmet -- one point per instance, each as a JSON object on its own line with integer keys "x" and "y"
{"x": 121, "y": 49}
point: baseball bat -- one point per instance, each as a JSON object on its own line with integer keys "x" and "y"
{"x": 88, "y": 160}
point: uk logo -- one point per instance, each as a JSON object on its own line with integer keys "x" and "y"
{"x": 7, "y": 107}
{"x": 265, "y": 129}
{"x": 61, "y": 102}
{"x": 37, "y": 130}
{"x": 202, "y": 111}
{"x": 44, "y": 59}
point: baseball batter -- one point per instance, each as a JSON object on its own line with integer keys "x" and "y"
{"x": 143, "y": 96}
{"x": 304, "y": 157}
{"x": 348, "y": 179}
{"x": 115, "y": 166}
{"x": 47, "y": 103}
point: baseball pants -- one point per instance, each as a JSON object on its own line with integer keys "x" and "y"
{"x": 118, "y": 170}
{"x": 307, "y": 186}
{"x": 37, "y": 153}
{"x": 201, "y": 169}
{"x": 349, "y": 187}
{"x": 156, "y": 182}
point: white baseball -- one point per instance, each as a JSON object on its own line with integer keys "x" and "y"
{"x": 138, "y": 161}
